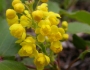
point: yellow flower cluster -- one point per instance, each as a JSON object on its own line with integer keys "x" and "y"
{"x": 47, "y": 27}
{"x": 44, "y": 23}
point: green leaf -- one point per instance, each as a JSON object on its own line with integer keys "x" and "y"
{"x": 53, "y": 6}
{"x": 8, "y": 47}
{"x": 77, "y": 27}
{"x": 9, "y": 58}
{"x": 79, "y": 42}
{"x": 43, "y": 47}
{"x": 82, "y": 55}
{"x": 11, "y": 65}
{"x": 88, "y": 43}
{"x": 82, "y": 16}
{"x": 28, "y": 61}
{"x": 2, "y": 5}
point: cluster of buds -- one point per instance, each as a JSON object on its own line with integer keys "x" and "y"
{"x": 44, "y": 23}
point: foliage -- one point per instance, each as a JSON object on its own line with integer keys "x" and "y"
{"x": 8, "y": 47}
{"x": 11, "y": 65}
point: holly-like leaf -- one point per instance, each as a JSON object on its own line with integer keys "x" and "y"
{"x": 11, "y": 65}
{"x": 79, "y": 42}
{"x": 78, "y": 27}
{"x": 28, "y": 61}
{"x": 8, "y": 47}
{"x": 82, "y": 16}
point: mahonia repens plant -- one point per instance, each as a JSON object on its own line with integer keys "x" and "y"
{"x": 45, "y": 44}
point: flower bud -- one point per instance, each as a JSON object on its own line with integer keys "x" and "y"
{"x": 61, "y": 30}
{"x": 17, "y": 31}
{"x": 43, "y": 7}
{"x": 37, "y": 15}
{"x": 65, "y": 36}
{"x": 10, "y": 13}
{"x": 64, "y": 24}
{"x": 41, "y": 38}
{"x": 13, "y": 20}
{"x": 15, "y": 2}
{"x": 19, "y": 7}
{"x": 24, "y": 20}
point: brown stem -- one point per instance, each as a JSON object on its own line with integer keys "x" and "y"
{"x": 1, "y": 58}
{"x": 58, "y": 60}
{"x": 58, "y": 68}
{"x": 72, "y": 63}
{"x": 32, "y": 67}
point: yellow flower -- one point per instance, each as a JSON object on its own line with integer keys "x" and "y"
{"x": 28, "y": 40}
{"x": 41, "y": 61}
{"x": 25, "y": 21}
{"x": 56, "y": 46}
{"x": 37, "y": 30}
{"x": 44, "y": 22}
{"x": 61, "y": 30}
{"x": 28, "y": 47}
{"x": 13, "y": 20}
{"x": 15, "y": 2}
{"x": 53, "y": 18}
{"x": 18, "y": 31}
{"x": 58, "y": 36}
{"x": 65, "y": 36}
{"x": 45, "y": 30}
{"x": 41, "y": 38}
{"x": 43, "y": 7}
{"x": 10, "y": 13}
{"x": 44, "y": 0}
{"x": 54, "y": 29}
{"x": 64, "y": 24}
{"x": 54, "y": 35}
{"x": 28, "y": 50}
{"x": 19, "y": 7}
{"x": 37, "y": 15}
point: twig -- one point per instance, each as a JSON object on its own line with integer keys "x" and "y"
{"x": 72, "y": 63}
{"x": 58, "y": 60}
{"x": 1, "y": 58}
{"x": 58, "y": 68}
{"x": 32, "y": 67}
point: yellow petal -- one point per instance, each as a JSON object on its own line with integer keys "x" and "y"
{"x": 40, "y": 38}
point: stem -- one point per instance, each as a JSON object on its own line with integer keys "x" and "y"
{"x": 54, "y": 65}
{"x": 72, "y": 63}
{"x": 58, "y": 61}
{"x": 1, "y": 58}
{"x": 32, "y": 67}
{"x": 37, "y": 4}
{"x": 52, "y": 56}
{"x": 43, "y": 48}
{"x": 57, "y": 65}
